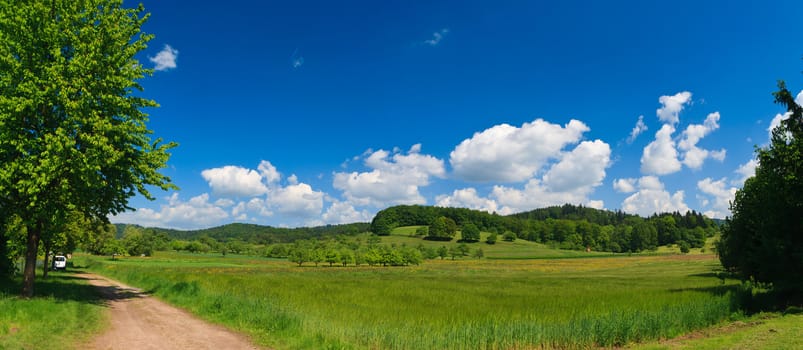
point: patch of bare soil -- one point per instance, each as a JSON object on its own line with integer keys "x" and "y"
{"x": 139, "y": 321}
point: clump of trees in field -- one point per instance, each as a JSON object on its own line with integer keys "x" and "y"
{"x": 565, "y": 227}
{"x": 352, "y": 253}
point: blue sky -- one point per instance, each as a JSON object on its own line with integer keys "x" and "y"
{"x": 316, "y": 112}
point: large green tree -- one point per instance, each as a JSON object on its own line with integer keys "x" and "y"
{"x": 72, "y": 125}
{"x": 470, "y": 233}
{"x": 763, "y": 240}
{"x": 442, "y": 229}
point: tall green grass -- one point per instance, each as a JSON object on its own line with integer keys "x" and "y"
{"x": 65, "y": 312}
{"x": 470, "y": 304}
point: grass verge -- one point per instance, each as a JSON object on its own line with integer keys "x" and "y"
{"x": 760, "y": 331}
{"x": 65, "y": 312}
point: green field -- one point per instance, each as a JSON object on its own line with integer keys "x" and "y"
{"x": 519, "y": 249}
{"x": 441, "y": 304}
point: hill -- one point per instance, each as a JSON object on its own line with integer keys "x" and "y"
{"x": 258, "y": 234}
{"x": 567, "y": 226}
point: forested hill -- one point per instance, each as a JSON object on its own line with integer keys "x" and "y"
{"x": 567, "y": 226}
{"x": 258, "y": 234}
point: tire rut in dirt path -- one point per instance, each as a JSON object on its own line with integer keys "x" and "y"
{"x": 139, "y": 321}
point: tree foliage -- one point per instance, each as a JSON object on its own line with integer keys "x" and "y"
{"x": 470, "y": 233}
{"x": 566, "y": 227}
{"x": 442, "y": 229}
{"x": 763, "y": 240}
{"x": 73, "y": 132}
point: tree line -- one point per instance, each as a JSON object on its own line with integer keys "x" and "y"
{"x": 566, "y": 227}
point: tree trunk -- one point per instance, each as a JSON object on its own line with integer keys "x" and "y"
{"x": 47, "y": 255}
{"x": 31, "y": 251}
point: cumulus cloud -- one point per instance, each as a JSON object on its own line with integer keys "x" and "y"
{"x": 394, "y": 178}
{"x": 466, "y": 198}
{"x": 693, "y": 156}
{"x": 437, "y": 37}
{"x": 596, "y": 204}
{"x": 651, "y": 198}
{"x": 269, "y": 172}
{"x": 660, "y": 157}
{"x": 777, "y": 121}
{"x": 298, "y": 200}
{"x": 295, "y": 202}
{"x": 536, "y": 195}
{"x": 234, "y": 181}
{"x": 625, "y": 185}
{"x": 582, "y": 167}
{"x": 511, "y": 154}
{"x": 671, "y": 107}
{"x": 196, "y": 213}
{"x": 343, "y": 213}
{"x": 637, "y": 130}
{"x": 746, "y": 170}
{"x": 721, "y": 194}
{"x": 571, "y": 180}
{"x": 165, "y": 59}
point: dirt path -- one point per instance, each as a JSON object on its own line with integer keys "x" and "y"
{"x": 139, "y": 321}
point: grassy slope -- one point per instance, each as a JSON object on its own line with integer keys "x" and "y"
{"x": 519, "y": 249}
{"x": 65, "y": 312}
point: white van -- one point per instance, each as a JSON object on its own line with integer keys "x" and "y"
{"x": 59, "y": 262}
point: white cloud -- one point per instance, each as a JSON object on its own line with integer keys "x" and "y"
{"x": 511, "y": 154}
{"x": 660, "y": 157}
{"x": 250, "y": 209}
{"x": 437, "y": 37}
{"x": 671, "y": 107}
{"x": 234, "y": 181}
{"x": 653, "y": 198}
{"x": 721, "y": 195}
{"x": 343, "y": 213}
{"x": 746, "y": 170}
{"x": 596, "y": 204}
{"x": 193, "y": 214}
{"x": 536, "y": 195}
{"x": 625, "y": 185}
{"x": 780, "y": 117}
{"x": 718, "y": 155}
{"x": 693, "y": 156}
{"x": 269, "y": 172}
{"x": 224, "y": 202}
{"x": 570, "y": 180}
{"x": 297, "y": 201}
{"x": 394, "y": 178}
{"x": 165, "y": 59}
{"x": 637, "y": 130}
{"x": 582, "y": 167}
{"x": 466, "y": 198}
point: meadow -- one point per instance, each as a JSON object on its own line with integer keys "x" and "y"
{"x": 442, "y": 304}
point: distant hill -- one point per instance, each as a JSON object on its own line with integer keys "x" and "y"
{"x": 567, "y": 226}
{"x": 261, "y": 234}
